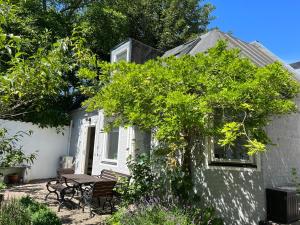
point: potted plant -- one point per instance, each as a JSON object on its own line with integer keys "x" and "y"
{"x": 2, "y": 188}
{"x": 12, "y": 155}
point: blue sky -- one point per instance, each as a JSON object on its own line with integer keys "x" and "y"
{"x": 274, "y": 23}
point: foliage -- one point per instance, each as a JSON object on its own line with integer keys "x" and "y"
{"x": 295, "y": 179}
{"x": 141, "y": 182}
{"x": 40, "y": 214}
{"x": 39, "y": 46}
{"x": 39, "y": 85}
{"x": 162, "y": 24}
{"x": 180, "y": 100}
{"x": 156, "y": 211}
{"x": 152, "y": 175}
{"x": 45, "y": 217}
{"x": 2, "y": 186}
{"x": 13, "y": 213}
{"x": 11, "y": 153}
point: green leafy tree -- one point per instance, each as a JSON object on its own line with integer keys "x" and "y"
{"x": 162, "y": 24}
{"x": 38, "y": 86}
{"x": 185, "y": 100}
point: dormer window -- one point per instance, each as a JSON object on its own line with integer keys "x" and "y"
{"x": 121, "y": 56}
{"x": 121, "y": 53}
{"x": 133, "y": 51}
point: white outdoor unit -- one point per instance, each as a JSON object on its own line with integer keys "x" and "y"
{"x": 66, "y": 162}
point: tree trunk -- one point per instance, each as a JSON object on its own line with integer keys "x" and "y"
{"x": 187, "y": 167}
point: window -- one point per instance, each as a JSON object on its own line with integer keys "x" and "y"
{"x": 121, "y": 56}
{"x": 235, "y": 155}
{"x": 112, "y": 145}
{"x": 230, "y": 155}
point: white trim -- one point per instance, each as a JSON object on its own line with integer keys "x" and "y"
{"x": 125, "y": 47}
{"x": 103, "y": 158}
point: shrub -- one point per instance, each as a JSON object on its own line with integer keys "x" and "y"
{"x": 141, "y": 182}
{"x": 27, "y": 211}
{"x": 13, "y": 213}
{"x": 45, "y": 217}
{"x": 150, "y": 216}
{"x": 31, "y": 205}
{"x": 154, "y": 211}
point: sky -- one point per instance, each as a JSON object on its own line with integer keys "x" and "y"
{"x": 274, "y": 23}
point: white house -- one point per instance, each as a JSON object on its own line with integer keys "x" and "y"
{"x": 233, "y": 185}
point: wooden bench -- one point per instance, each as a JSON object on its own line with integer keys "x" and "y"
{"x": 99, "y": 190}
{"x": 113, "y": 175}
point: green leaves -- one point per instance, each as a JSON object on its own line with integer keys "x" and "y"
{"x": 182, "y": 98}
{"x": 231, "y": 131}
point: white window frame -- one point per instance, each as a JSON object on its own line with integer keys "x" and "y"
{"x": 106, "y": 141}
{"x": 121, "y": 49}
{"x": 212, "y": 162}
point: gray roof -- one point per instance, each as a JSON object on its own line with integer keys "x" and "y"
{"x": 295, "y": 65}
{"x": 255, "y": 51}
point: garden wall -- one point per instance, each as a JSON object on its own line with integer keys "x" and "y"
{"x": 50, "y": 145}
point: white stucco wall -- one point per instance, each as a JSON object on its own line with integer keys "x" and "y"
{"x": 285, "y": 153}
{"x": 129, "y": 139}
{"x": 49, "y": 144}
{"x": 237, "y": 194}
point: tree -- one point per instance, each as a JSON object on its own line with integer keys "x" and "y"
{"x": 39, "y": 66}
{"x": 185, "y": 100}
{"x": 38, "y": 85}
{"x": 162, "y": 24}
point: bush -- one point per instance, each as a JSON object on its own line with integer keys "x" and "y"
{"x": 157, "y": 211}
{"x": 27, "y": 211}
{"x": 31, "y": 205}
{"x": 13, "y": 213}
{"x": 149, "y": 216}
{"x": 45, "y": 217}
{"x": 141, "y": 182}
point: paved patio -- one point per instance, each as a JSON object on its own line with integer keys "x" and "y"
{"x": 37, "y": 190}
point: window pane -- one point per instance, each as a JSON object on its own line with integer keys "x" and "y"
{"x": 236, "y": 152}
{"x": 121, "y": 56}
{"x": 112, "y": 145}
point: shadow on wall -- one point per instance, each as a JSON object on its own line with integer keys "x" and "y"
{"x": 237, "y": 196}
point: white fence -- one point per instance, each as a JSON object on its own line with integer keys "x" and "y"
{"x": 49, "y": 144}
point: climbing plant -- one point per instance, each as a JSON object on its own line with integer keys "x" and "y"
{"x": 184, "y": 100}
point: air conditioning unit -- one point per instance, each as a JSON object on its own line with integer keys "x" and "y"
{"x": 66, "y": 162}
{"x": 283, "y": 204}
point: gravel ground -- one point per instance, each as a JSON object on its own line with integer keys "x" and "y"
{"x": 37, "y": 190}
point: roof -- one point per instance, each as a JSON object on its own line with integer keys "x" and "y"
{"x": 255, "y": 51}
{"x": 295, "y": 65}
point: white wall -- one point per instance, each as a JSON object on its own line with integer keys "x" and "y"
{"x": 129, "y": 140}
{"x": 284, "y": 155}
{"x": 50, "y": 145}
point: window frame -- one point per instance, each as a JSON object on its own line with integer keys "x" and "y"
{"x": 106, "y": 148}
{"x": 120, "y": 50}
{"x": 212, "y": 161}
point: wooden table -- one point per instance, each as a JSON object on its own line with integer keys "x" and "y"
{"x": 78, "y": 181}
{"x": 81, "y": 179}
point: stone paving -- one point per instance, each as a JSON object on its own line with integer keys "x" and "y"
{"x": 37, "y": 190}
